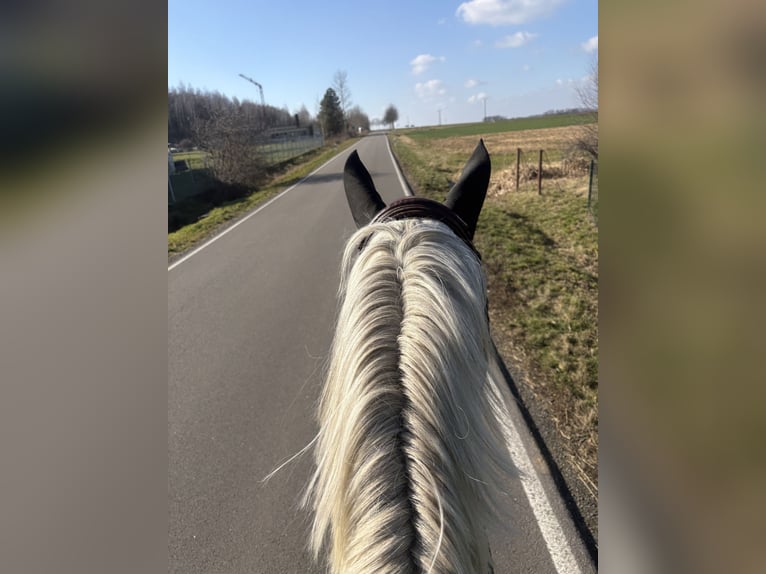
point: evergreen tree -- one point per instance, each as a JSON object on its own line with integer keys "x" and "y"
{"x": 330, "y": 114}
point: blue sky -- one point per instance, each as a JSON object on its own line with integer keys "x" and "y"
{"x": 523, "y": 56}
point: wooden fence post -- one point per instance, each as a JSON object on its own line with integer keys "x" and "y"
{"x": 590, "y": 182}
{"x": 518, "y": 166}
{"x": 540, "y": 175}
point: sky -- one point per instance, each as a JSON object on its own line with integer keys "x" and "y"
{"x": 519, "y": 57}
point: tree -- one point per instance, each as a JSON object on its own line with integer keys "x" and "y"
{"x": 587, "y": 136}
{"x": 391, "y": 116}
{"x": 228, "y": 129}
{"x": 304, "y": 117}
{"x": 330, "y": 114}
{"x": 356, "y": 119}
{"x": 189, "y": 109}
{"x": 340, "y": 84}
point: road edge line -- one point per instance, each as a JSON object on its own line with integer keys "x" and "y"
{"x": 552, "y": 530}
{"x": 568, "y": 516}
{"x": 402, "y": 181}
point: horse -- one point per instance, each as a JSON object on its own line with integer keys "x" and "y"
{"x": 410, "y": 457}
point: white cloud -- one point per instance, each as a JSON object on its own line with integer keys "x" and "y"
{"x": 477, "y": 98}
{"x": 429, "y": 90}
{"x": 499, "y": 12}
{"x": 472, "y": 83}
{"x": 516, "y": 40}
{"x": 421, "y": 62}
{"x": 591, "y": 45}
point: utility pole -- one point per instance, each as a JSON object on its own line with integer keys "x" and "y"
{"x": 440, "y": 116}
{"x": 263, "y": 102}
{"x": 485, "y": 108}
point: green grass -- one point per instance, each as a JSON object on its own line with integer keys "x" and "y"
{"x": 539, "y": 253}
{"x": 480, "y": 128}
{"x": 212, "y": 219}
{"x": 194, "y": 159}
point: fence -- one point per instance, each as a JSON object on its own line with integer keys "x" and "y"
{"x": 542, "y": 171}
{"x": 186, "y": 184}
{"x": 279, "y": 149}
{"x": 192, "y": 180}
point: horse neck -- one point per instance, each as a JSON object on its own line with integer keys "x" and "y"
{"x": 406, "y": 449}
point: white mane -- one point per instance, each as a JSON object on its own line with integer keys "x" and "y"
{"x": 410, "y": 455}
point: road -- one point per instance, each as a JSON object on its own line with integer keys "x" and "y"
{"x": 249, "y": 327}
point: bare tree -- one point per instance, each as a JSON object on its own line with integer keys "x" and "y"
{"x": 304, "y": 117}
{"x": 356, "y": 119}
{"x": 587, "y": 137}
{"x": 340, "y": 85}
{"x": 232, "y": 148}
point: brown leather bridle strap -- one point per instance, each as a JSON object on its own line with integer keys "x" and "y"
{"x": 422, "y": 208}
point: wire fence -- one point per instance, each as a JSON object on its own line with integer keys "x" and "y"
{"x": 544, "y": 171}
{"x": 190, "y": 172}
{"x": 279, "y": 149}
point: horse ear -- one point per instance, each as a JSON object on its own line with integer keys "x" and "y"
{"x": 363, "y": 199}
{"x": 467, "y": 196}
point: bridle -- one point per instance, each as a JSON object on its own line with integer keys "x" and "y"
{"x": 422, "y": 208}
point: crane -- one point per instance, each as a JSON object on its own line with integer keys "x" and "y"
{"x": 260, "y": 88}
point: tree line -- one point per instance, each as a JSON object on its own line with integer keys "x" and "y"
{"x": 231, "y": 131}
{"x": 192, "y": 111}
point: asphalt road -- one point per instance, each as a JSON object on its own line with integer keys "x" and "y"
{"x": 249, "y": 326}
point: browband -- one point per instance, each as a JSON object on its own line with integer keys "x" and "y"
{"x": 422, "y": 208}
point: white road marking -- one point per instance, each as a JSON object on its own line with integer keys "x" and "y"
{"x": 264, "y": 206}
{"x": 404, "y": 185}
{"x": 551, "y": 529}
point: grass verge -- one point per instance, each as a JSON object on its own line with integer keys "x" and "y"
{"x": 540, "y": 254}
{"x": 211, "y": 219}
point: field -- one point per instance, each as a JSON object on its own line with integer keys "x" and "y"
{"x": 503, "y": 126}
{"x": 541, "y": 257}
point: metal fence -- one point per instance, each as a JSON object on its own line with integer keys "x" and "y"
{"x": 191, "y": 171}
{"x": 278, "y": 149}
{"x": 186, "y": 184}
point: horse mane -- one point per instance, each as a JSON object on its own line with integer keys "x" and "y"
{"x": 410, "y": 457}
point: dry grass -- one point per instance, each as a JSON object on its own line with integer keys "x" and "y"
{"x": 541, "y": 257}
